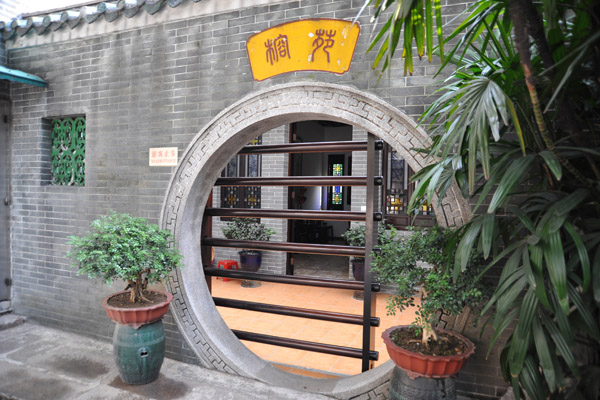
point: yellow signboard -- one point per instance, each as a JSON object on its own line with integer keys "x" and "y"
{"x": 307, "y": 45}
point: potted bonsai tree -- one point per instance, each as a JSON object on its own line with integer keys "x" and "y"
{"x": 248, "y": 229}
{"x": 121, "y": 247}
{"x": 419, "y": 266}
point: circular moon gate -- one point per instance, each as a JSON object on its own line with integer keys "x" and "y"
{"x": 193, "y": 308}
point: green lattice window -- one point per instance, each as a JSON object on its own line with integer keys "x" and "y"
{"x": 68, "y": 151}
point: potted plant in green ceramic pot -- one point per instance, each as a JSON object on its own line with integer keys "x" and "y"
{"x": 248, "y": 229}
{"x": 122, "y": 247}
{"x": 419, "y": 266}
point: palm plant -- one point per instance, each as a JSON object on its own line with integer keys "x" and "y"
{"x": 516, "y": 126}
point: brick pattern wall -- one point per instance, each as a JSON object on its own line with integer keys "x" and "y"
{"x": 155, "y": 86}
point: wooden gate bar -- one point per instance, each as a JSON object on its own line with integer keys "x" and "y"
{"x": 292, "y": 279}
{"x": 294, "y": 311}
{"x": 297, "y": 181}
{"x": 369, "y": 302}
{"x": 311, "y": 147}
{"x": 285, "y": 214}
{"x": 307, "y": 248}
{"x": 303, "y": 345}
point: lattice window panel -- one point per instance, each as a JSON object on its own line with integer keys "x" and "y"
{"x": 68, "y": 151}
{"x": 230, "y": 197}
{"x": 240, "y": 166}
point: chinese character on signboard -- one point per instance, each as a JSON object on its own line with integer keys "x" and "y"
{"x": 307, "y": 45}
{"x": 163, "y": 157}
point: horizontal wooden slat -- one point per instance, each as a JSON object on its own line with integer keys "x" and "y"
{"x": 294, "y": 311}
{"x": 306, "y": 248}
{"x": 286, "y": 214}
{"x": 292, "y": 279}
{"x": 312, "y": 147}
{"x": 293, "y": 181}
{"x": 304, "y": 345}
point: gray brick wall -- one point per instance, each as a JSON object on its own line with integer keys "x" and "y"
{"x": 154, "y": 86}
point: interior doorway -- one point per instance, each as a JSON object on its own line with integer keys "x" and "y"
{"x": 319, "y": 197}
{"x": 4, "y": 206}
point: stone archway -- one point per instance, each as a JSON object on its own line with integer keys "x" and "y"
{"x": 193, "y": 308}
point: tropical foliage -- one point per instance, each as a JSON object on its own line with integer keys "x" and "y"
{"x": 417, "y": 265}
{"x": 516, "y": 127}
{"x": 120, "y": 246}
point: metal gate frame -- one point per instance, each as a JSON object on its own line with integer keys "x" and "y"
{"x": 371, "y": 217}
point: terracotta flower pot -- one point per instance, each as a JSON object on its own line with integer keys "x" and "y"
{"x": 136, "y": 317}
{"x": 419, "y": 365}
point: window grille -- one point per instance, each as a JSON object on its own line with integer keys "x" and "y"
{"x": 398, "y": 190}
{"x": 242, "y": 165}
{"x": 68, "y": 151}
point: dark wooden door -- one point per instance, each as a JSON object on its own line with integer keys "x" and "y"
{"x": 4, "y": 203}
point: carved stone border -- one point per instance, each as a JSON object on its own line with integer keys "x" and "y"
{"x": 208, "y": 153}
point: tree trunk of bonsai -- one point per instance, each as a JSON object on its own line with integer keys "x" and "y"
{"x": 428, "y": 333}
{"x": 137, "y": 287}
{"x": 428, "y": 329}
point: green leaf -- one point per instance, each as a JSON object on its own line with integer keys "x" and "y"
{"x": 512, "y": 177}
{"x": 555, "y": 264}
{"x": 510, "y": 248}
{"x": 584, "y": 311}
{"x": 502, "y": 324}
{"x": 508, "y": 290}
{"x": 487, "y": 231}
{"x": 596, "y": 276}
{"x": 561, "y": 345}
{"x": 407, "y": 52}
{"x": 437, "y": 4}
{"x": 531, "y": 380}
{"x": 522, "y": 336}
{"x": 579, "y": 53}
{"x": 418, "y": 21}
{"x": 582, "y": 253}
{"x": 554, "y": 218}
{"x": 552, "y": 163}
{"x": 429, "y": 27}
{"x": 465, "y": 247}
{"x": 544, "y": 354}
{"x": 517, "y": 124}
{"x": 536, "y": 280}
{"x": 562, "y": 320}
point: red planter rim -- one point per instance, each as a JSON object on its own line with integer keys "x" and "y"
{"x": 137, "y": 316}
{"x": 416, "y": 364}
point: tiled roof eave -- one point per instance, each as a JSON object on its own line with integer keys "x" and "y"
{"x": 70, "y": 18}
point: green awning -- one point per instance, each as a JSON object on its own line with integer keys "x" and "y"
{"x": 20, "y": 76}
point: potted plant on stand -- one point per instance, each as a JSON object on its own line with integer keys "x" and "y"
{"x": 355, "y": 236}
{"x": 121, "y": 247}
{"x": 419, "y": 265}
{"x": 248, "y": 229}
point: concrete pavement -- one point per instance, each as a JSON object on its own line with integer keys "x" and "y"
{"x": 38, "y": 362}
